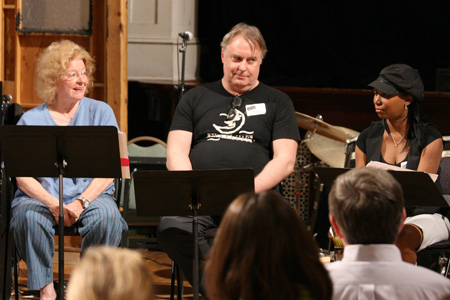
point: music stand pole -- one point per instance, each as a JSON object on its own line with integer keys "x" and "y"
{"x": 196, "y": 258}
{"x": 318, "y": 185}
{"x": 195, "y": 207}
{"x": 61, "y": 234}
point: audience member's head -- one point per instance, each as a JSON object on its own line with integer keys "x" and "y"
{"x": 366, "y": 206}
{"x": 110, "y": 273}
{"x": 263, "y": 251}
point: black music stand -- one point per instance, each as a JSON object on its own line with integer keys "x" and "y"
{"x": 5, "y": 238}
{"x": 176, "y": 193}
{"x": 61, "y": 151}
{"x": 418, "y": 187}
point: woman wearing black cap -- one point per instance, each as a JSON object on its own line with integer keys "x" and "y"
{"x": 405, "y": 138}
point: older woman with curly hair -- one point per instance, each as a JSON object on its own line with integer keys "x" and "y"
{"x": 64, "y": 73}
{"x": 263, "y": 251}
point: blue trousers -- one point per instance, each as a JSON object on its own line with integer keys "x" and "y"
{"x": 33, "y": 229}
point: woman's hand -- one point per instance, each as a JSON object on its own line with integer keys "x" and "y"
{"x": 68, "y": 220}
{"x": 54, "y": 209}
{"x": 74, "y": 211}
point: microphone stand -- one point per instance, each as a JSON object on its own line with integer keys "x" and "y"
{"x": 182, "y": 50}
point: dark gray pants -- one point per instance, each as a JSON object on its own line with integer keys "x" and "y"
{"x": 176, "y": 239}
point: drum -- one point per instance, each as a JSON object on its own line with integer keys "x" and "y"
{"x": 331, "y": 151}
{"x": 326, "y": 142}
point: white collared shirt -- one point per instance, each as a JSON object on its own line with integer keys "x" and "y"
{"x": 375, "y": 272}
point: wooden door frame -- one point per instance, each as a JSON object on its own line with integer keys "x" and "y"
{"x": 117, "y": 61}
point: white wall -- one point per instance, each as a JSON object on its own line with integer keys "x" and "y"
{"x": 153, "y": 27}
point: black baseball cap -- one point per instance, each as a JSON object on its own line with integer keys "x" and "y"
{"x": 398, "y": 78}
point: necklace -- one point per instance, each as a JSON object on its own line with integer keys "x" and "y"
{"x": 395, "y": 142}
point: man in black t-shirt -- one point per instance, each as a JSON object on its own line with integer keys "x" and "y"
{"x": 237, "y": 122}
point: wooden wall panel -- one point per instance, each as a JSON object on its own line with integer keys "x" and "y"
{"x": 116, "y": 61}
{"x": 437, "y": 107}
{"x": 107, "y": 44}
{"x": 98, "y": 49}
{"x": 97, "y": 91}
{"x": 9, "y": 45}
{"x": 31, "y": 47}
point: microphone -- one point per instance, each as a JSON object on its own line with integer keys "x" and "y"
{"x": 186, "y": 35}
{"x": 6, "y": 98}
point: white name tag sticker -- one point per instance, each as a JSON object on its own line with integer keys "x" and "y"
{"x": 255, "y": 109}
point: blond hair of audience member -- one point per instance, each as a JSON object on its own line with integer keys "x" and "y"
{"x": 263, "y": 251}
{"x": 110, "y": 273}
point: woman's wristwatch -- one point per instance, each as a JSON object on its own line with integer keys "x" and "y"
{"x": 84, "y": 201}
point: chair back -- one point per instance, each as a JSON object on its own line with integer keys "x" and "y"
{"x": 148, "y": 148}
{"x": 445, "y": 166}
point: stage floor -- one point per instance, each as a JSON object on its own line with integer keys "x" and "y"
{"x": 157, "y": 262}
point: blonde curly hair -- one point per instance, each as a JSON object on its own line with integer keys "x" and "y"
{"x": 106, "y": 272}
{"x": 53, "y": 63}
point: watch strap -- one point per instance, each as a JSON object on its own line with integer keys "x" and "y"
{"x": 85, "y": 201}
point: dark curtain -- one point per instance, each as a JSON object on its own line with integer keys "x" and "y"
{"x": 331, "y": 44}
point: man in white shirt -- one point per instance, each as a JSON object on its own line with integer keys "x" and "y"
{"x": 367, "y": 213}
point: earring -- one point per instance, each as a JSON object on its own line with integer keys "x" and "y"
{"x": 406, "y": 106}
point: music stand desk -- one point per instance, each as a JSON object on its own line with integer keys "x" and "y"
{"x": 61, "y": 151}
{"x": 178, "y": 193}
{"x": 418, "y": 188}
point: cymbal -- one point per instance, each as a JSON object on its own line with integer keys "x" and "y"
{"x": 321, "y": 127}
{"x": 328, "y": 150}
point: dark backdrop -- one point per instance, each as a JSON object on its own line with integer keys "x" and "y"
{"x": 331, "y": 44}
